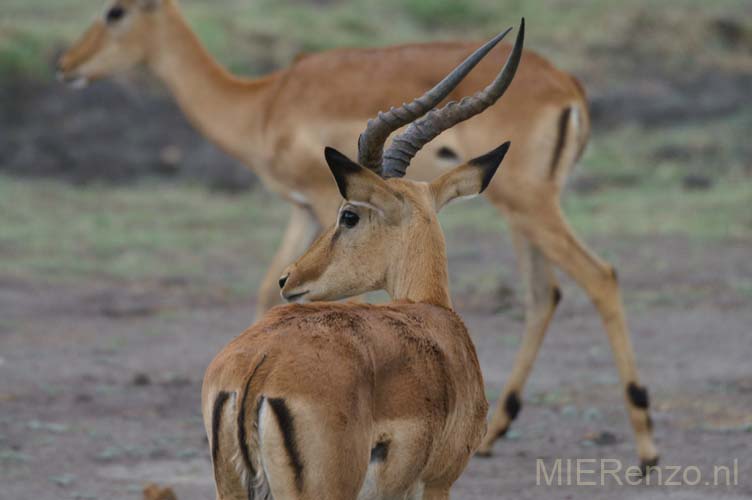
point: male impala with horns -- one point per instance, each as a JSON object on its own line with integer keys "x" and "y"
{"x": 355, "y": 401}
{"x": 279, "y": 124}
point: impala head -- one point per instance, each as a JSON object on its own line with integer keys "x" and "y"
{"x": 119, "y": 39}
{"x": 387, "y": 235}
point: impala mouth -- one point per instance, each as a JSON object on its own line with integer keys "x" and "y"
{"x": 72, "y": 81}
{"x": 295, "y": 297}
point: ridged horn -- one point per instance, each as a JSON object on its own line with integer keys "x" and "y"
{"x": 371, "y": 141}
{"x": 420, "y": 132}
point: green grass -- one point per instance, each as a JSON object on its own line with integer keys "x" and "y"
{"x": 713, "y": 148}
{"x": 255, "y": 35}
{"x": 54, "y": 231}
{"x": 717, "y": 214}
{"x": 58, "y": 232}
{"x": 720, "y": 213}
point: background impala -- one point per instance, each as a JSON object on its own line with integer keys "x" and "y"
{"x": 277, "y": 124}
{"x": 101, "y": 284}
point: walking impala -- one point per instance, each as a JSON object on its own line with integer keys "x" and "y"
{"x": 278, "y": 125}
{"x": 355, "y": 401}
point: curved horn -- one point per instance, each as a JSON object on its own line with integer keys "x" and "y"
{"x": 371, "y": 141}
{"x": 406, "y": 145}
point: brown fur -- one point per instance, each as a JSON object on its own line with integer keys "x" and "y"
{"x": 344, "y": 380}
{"x": 156, "y": 492}
{"x": 356, "y": 373}
{"x": 278, "y": 125}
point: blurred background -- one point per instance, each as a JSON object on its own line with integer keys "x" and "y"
{"x": 131, "y": 248}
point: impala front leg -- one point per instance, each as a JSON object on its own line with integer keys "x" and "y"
{"x": 301, "y": 230}
{"x": 542, "y": 295}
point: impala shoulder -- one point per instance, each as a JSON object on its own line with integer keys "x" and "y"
{"x": 298, "y": 325}
{"x": 440, "y": 314}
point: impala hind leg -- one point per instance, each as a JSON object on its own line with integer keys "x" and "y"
{"x": 302, "y": 229}
{"x": 309, "y": 454}
{"x": 542, "y": 295}
{"x": 551, "y": 233}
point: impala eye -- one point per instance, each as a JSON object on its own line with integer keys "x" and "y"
{"x": 349, "y": 219}
{"x": 115, "y": 14}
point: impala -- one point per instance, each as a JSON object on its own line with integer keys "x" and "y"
{"x": 279, "y": 124}
{"x": 357, "y": 401}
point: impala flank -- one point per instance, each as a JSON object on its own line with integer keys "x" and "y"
{"x": 356, "y": 401}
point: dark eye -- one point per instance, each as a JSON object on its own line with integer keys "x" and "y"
{"x": 349, "y": 219}
{"x": 115, "y": 14}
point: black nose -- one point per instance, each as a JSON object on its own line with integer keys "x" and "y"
{"x": 282, "y": 281}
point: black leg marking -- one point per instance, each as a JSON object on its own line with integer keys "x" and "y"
{"x": 557, "y": 295}
{"x": 241, "y": 425}
{"x": 380, "y": 452}
{"x": 614, "y": 274}
{"x": 646, "y": 466}
{"x": 219, "y": 404}
{"x": 512, "y": 406}
{"x": 446, "y": 153}
{"x": 638, "y": 396}
{"x": 560, "y": 140}
{"x": 287, "y": 426}
{"x": 502, "y": 432}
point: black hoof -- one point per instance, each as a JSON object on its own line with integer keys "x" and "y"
{"x": 486, "y": 453}
{"x": 646, "y": 465}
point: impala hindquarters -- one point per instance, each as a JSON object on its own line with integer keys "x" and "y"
{"x": 344, "y": 402}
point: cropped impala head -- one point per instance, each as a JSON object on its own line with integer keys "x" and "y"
{"x": 118, "y": 39}
{"x": 385, "y": 229}
{"x": 387, "y": 224}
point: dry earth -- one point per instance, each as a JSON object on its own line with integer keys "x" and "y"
{"x": 99, "y": 391}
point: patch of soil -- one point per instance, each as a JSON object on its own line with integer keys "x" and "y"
{"x": 656, "y": 102}
{"x": 95, "y": 405}
{"x": 109, "y": 132}
{"x": 657, "y": 81}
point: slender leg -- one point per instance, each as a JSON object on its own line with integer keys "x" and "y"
{"x": 301, "y": 231}
{"x": 541, "y": 298}
{"x": 550, "y": 232}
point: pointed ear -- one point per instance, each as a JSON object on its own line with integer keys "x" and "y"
{"x": 360, "y": 185}
{"x": 469, "y": 179}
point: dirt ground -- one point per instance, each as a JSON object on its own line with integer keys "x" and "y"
{"x": 100, "y": 393}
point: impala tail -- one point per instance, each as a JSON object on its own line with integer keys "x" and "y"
{"x": 572, "y": 135}
{"x": 235, "y": 442}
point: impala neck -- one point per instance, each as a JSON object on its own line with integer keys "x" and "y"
{"x": 423, "y": 276}
{"x": 227, "y": 109}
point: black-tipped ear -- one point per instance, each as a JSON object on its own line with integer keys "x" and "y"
{"x": 489, "y": 163}
{"x": 341, "y": 166}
